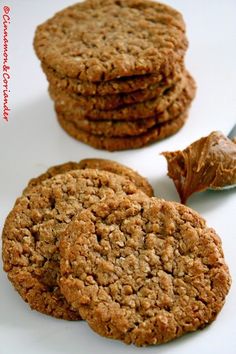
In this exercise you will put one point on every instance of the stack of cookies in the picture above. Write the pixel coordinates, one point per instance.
(88, 241)
(116, 71)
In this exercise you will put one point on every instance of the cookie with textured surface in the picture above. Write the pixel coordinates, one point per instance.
(33, 229)
(99, 164)
(143, 270)
(108, 102)
(127, 112)
(124, 128)
(119, 86)
(100, 40)
(155, 133)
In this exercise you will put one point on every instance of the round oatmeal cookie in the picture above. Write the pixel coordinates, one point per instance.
(155, 133)
(33, 229)
(99, 164)
(118, 168)
(126, 84)
(112, 128)
(122, 128)
(107, 102)
(99, 40)
(51, 172)
(144, 271)
(127, 112)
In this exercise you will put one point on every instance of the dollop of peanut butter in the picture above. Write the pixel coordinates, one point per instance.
(209, 162)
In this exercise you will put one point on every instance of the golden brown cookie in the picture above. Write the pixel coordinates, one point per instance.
(108, 102)
(33, 229)
(110, 128)
(144, 271)
(99, 164)
(112, 87)
(155, 133)
(122, 128)
(127, 112)
(51, 172)
(99, 40)
(118, 168)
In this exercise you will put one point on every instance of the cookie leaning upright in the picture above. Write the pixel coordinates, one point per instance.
(102, 55)
(33, 228)
(144, 271)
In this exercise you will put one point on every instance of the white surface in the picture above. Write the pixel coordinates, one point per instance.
(32, 141)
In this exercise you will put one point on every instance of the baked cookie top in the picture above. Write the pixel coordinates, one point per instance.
(99, 164)
(33, 229)
(100, 40)
(117, 168)
(143, 270)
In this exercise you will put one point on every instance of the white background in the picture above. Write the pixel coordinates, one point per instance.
(32, 141)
